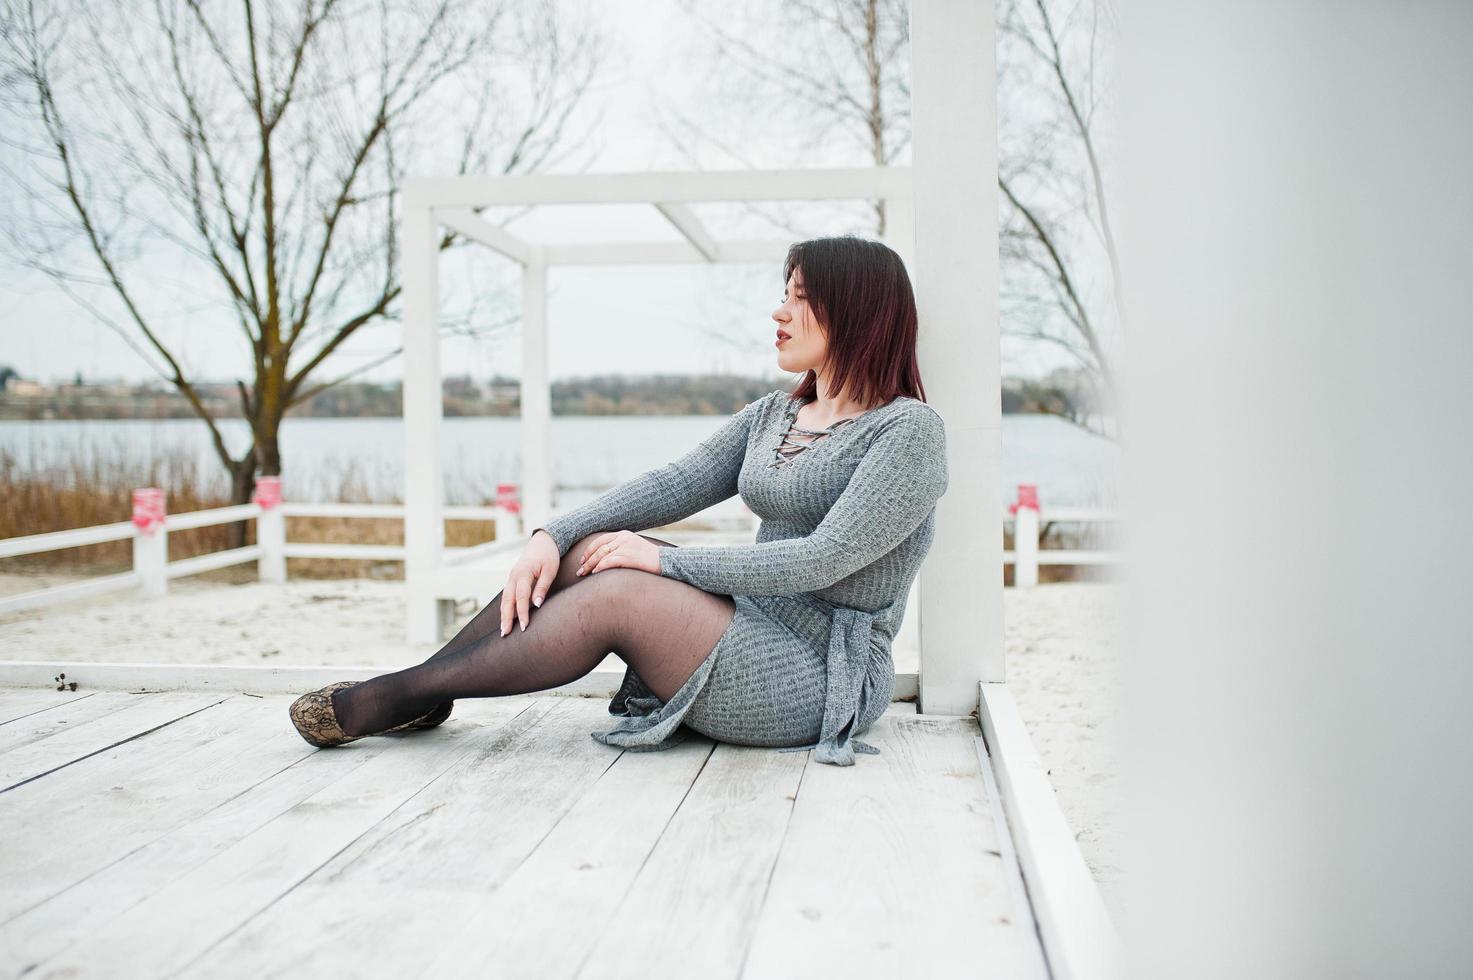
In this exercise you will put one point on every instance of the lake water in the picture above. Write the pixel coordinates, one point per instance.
(589, 453)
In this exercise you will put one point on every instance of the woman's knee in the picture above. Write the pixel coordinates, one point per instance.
(568, 571)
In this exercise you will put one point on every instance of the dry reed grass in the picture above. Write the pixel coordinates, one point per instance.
(84, 490)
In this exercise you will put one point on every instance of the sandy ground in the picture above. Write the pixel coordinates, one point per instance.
(1062, 669)
(1062, 643)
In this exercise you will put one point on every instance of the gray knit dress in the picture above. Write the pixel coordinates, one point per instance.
(845, 522)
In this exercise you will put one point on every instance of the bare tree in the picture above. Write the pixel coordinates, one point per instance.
(779, 81)
(243, 164)
(1057, 225)
(836, 74)
(837, 71)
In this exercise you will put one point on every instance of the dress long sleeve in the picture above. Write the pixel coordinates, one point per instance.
(701, 478)
(896, 484)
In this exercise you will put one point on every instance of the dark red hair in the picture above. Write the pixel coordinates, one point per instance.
(861, 296)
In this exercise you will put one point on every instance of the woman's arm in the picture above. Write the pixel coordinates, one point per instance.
(702, 477)
(902, 475)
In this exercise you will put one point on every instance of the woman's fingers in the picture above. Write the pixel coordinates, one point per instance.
(591, 553)
(545, 578)
(621, 550)
(611, 560)
(524, 599)
(508, 602)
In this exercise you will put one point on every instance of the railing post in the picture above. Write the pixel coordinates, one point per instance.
(424, 482)
(508, 509)
(151, 541)
(270, 530)
(1025, 536)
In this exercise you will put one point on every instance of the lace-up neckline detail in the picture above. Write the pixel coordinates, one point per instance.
(789, 448)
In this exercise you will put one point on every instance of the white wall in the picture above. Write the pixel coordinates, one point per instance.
(1300, 440)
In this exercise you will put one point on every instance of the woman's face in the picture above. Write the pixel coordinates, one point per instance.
(800, 342)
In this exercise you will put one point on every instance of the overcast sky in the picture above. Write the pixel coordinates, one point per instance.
(606, 320)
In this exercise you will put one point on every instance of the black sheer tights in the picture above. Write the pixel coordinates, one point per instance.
(661, 627)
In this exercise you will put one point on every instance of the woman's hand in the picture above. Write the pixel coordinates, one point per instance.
(529, 580)
(620, 549)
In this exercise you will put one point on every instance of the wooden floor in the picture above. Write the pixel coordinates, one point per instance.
(196, 834)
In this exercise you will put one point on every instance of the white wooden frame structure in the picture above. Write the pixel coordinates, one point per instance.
(152, 570)
(961, 362)
(942, 218)
(432, 203)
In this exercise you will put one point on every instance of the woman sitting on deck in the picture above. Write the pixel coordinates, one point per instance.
(782, 643)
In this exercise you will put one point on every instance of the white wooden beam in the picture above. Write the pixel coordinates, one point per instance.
(33, 544)
(536, 488)
(244, 678)
(1078, 936)
(686, 222)
(86, 588)
(664, 253)
(477, 228)
(837, 184)
(956, 280)
(424, 487)
(263, 679)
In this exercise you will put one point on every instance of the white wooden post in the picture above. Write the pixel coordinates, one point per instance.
(900, 235)
(151, 542)
(900, 229)
(1025, 536)
(270, 530)
(424, 488)
(954, 135)
(536, 396)
(508, 512)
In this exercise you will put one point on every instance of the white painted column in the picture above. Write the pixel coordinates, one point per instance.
(270, 530)
(1025, 546)
(536, 489)
(1296, 235)
(900, 229)
(151, 542)
(900, 235)
(954, 112)
(424, 487)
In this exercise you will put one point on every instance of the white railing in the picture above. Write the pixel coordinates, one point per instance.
(152, 571)
(1027, 514)
(149, 531)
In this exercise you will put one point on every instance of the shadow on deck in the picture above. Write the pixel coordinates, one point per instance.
(191, 831)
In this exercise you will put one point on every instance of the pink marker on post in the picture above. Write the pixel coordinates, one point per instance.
(1027, 497)
(148, 509)
(268, 492)
(507, 498)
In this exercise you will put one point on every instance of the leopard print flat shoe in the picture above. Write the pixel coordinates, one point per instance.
(313, 716)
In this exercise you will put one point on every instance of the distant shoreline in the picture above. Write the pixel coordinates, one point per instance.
(512, 414)
(22, 400)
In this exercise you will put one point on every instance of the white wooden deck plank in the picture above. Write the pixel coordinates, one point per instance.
(155, 755)
(59, 718)
(67, 747)
(693, 907)
(136, 790)
(451, 845)
(894, 867)
(1072, 919)
(223, 845)
(548, 915)
(74, 915)
(178, 923)
(17, 704)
